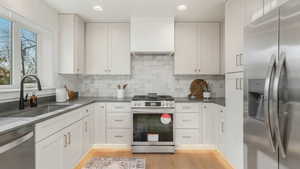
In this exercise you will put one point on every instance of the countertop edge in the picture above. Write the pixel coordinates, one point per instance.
(84, 101)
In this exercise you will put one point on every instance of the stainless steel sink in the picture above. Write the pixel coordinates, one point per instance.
(32, 112)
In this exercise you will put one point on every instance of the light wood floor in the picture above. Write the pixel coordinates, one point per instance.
(202, 159)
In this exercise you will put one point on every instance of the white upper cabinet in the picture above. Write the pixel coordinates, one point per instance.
(120, 62)
(255, 9)
(234, 32)
(152, 35)
(71, 44)
(96, 48)
(209, 48)
(108, 49)
(186, 48)
(197, 48)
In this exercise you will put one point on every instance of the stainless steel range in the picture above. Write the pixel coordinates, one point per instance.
(153, 117)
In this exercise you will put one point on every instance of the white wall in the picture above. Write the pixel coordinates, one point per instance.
(38, 15)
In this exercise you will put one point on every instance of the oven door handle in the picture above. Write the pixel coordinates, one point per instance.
(15, 143)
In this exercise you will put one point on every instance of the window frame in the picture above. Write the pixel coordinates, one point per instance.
(12, 80)
(16, 58)
(21, 26)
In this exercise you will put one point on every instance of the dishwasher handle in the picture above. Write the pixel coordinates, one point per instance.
(15, 143)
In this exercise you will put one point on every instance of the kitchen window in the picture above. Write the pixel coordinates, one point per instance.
(5, 52)
(29, 46)
(18, 53)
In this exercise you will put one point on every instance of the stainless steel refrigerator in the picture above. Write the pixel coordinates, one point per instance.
(272, 90)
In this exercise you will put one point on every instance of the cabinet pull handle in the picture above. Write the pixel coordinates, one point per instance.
(118, 120)
(186, 120)
(236, 60)
(119, 107)
(241, 57)
(86, 127)
(69, 136)
(237, 84)
(186, 137)
(65, 141)
(118, 136)
(241, 83)
(186, 107)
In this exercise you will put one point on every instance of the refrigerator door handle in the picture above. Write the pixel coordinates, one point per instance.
(279, 71)
(269, 131)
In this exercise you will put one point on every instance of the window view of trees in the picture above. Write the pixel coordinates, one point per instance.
(5, 51)
(28, 52)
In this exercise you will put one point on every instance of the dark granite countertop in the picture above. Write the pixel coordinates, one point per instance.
(219, 101)
(9, 123)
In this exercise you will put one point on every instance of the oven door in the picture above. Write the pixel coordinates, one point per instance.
(153, 127)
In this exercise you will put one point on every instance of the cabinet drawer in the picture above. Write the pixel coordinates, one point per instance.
(187, 120)
(118, 107)
(187, 107)
(187, 136)
(51, 126)
(119, 120)
(119, 136)
(86, 111)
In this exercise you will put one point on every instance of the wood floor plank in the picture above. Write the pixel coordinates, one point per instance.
(196, 159)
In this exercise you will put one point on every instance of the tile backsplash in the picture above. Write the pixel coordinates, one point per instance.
(149, 74)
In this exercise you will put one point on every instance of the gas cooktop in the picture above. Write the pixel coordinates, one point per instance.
(153, 100)
(153, 97)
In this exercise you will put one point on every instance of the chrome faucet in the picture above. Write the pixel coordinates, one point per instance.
(22, 100)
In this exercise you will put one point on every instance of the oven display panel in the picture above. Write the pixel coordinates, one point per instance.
(153, 104)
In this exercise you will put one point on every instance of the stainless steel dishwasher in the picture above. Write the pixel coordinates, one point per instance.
(17, 149)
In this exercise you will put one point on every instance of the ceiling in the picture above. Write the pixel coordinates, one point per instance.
(198, 10)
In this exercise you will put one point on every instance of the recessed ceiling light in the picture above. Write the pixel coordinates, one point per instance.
(181, 7)
(98, 8)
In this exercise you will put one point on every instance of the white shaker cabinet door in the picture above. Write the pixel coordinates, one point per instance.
(210, 121)
(49, 152)
(100, 123)
(234, 27)
(119, 49)
(209, 43)
(234, 119)
(186, 48)
(72, 153)
(97, 48)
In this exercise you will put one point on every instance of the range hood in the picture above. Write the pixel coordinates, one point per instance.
(152, 36)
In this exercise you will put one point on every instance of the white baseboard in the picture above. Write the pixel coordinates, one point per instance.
(112, 146)
(195, 147)
(178, 147)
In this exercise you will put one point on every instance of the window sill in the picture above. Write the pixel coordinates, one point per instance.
(12, 94)
(11, 90)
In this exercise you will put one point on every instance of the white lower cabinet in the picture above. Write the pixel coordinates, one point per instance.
(119, 123)
(87, 133)
(61, 150)
(187, 136)
(187, 120)
(119, 136)
(49, 152)
(199, 124)
(72, 150)
(211, 123)
(100, 123)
